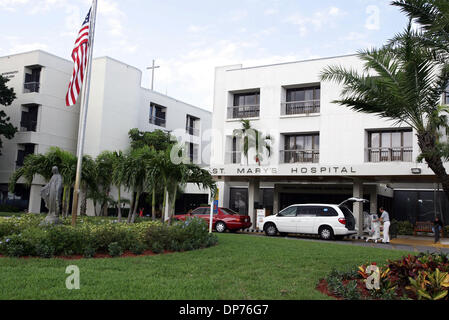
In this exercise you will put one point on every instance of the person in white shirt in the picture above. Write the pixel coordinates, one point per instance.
(385, 219)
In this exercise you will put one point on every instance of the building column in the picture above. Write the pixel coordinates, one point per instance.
(373, 201)
(358, 206)
(276, 203)
(34, 205)
(253, 200)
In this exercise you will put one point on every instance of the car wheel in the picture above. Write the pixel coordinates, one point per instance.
(326, 233)
(220, 227)
(271, 230)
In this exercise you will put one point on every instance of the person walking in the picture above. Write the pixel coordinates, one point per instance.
(385, 219)
(437, 227)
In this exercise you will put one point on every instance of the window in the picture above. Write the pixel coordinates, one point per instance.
(246, 105)
(326, 212)
(192, 126)
(32, 79)
(28, 120)
(289, 212)
(301, 148)
(302, 101)
(238, 201)
(388, 146)
(307, 211)
(158, 115)
(24, 151)
(199, 212)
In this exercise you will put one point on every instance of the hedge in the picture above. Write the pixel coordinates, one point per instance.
(24, 237)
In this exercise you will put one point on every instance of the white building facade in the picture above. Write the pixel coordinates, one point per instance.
(117, 104)
(320, 152)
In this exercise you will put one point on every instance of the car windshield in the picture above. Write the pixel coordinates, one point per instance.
(229, 211)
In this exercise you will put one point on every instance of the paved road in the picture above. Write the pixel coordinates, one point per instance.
(360, 243)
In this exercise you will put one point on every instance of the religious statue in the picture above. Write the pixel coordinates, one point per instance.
(51, 194)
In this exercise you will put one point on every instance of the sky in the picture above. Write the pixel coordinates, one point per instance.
(188, 39)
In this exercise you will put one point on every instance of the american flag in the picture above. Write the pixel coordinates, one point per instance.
(80, 57)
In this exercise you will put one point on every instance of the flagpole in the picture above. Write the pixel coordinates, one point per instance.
(83, 114)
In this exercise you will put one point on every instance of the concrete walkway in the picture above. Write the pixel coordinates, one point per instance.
(412, 244)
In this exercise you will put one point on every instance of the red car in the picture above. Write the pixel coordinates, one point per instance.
(225, 219)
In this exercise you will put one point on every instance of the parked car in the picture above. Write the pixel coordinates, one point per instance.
(225, 219)
(327, 221)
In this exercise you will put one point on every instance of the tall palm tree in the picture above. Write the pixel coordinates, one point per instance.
(136, 175)
(404, 83)
(118, 179)
(433, 17)
(105, 167)
(39, 164)
(253, 139)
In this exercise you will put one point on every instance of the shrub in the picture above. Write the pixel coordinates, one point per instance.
(115, 250)
(23, 236)
(403, 228)
(138, 248)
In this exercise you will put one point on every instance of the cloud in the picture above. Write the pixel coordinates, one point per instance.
(191, 75)
(317, 20)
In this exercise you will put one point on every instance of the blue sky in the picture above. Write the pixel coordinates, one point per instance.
(190, 38)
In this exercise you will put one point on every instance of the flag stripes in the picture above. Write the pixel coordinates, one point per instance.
(80, 59)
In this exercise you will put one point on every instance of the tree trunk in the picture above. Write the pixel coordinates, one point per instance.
(153, 204)
(83, 208)
(133, 219)
(119, 208)
(64, 204)
(427, 143)
(67, 199)
(164, 204)
(131, 208)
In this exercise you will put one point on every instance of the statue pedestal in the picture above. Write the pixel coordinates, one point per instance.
(50, 220)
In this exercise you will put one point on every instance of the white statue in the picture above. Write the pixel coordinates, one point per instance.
(51, 194)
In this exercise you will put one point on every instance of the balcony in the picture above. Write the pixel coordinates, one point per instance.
(28, 126)
(193, 131)
(244, 112)
(31, 87)
(300, 107)
(233, 157)
(299, 156)
(160, 122)
(390, 155)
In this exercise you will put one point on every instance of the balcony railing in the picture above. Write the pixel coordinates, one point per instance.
(300, 107)
(193, 131)
(28, 126)
(233, 157)
(161, 122)
(244, 112)
(31, 87)
(390, 154)
(299, 156)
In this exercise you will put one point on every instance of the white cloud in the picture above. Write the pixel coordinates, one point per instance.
(190, 76)
(317, 20)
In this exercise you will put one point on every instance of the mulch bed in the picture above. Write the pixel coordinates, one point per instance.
(323, 287)
(126, 254)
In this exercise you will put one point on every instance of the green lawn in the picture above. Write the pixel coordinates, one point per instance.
(240, 267)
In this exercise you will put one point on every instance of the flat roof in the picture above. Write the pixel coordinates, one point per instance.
(294, 62)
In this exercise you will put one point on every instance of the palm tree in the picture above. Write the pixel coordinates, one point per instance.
(433, 17)
(404, 83)
(105, 168)
(38, 164)
(118, 180)
(136, 175)
(252, 138)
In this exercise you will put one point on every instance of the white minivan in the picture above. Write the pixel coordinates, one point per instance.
(327, 221)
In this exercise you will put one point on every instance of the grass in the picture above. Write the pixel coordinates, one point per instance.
(241, 267)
